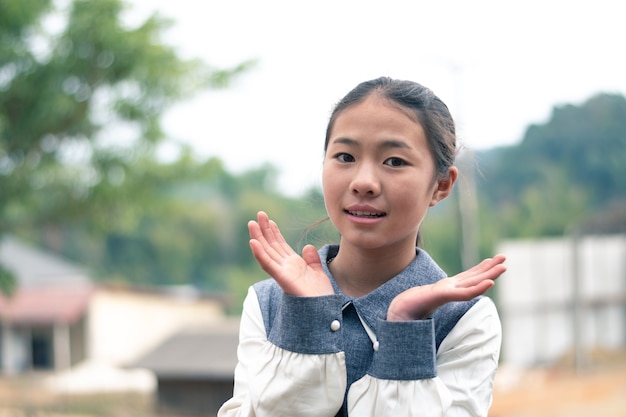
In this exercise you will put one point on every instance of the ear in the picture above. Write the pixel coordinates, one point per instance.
(444, 186)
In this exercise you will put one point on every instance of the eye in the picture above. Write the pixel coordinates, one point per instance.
(395, 162)
(344, 157)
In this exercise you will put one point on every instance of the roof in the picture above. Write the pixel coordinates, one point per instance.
(32, 266)
(199, 353)
(45, 305)
(49, 289)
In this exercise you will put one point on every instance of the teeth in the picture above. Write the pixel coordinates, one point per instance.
(365, 214)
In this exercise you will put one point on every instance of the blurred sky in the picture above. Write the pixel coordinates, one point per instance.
(499, 65)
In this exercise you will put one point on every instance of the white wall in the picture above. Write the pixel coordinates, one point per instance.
(124, 325)
(15, 349)
(536, 297)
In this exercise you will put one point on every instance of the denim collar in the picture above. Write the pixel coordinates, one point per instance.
(373, 307)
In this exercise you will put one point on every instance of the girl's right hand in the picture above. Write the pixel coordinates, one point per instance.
(301, 276)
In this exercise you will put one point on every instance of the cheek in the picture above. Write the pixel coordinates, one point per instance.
(331, 194)
(414, 203)
(325, 182)
(333, 190)
(328, 186)
(331, 179)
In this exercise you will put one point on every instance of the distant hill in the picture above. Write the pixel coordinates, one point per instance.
(563, 174)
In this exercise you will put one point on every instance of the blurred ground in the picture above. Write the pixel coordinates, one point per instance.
(26, 396)
(598, 390)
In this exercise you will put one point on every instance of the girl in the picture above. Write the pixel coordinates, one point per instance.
(372, 326)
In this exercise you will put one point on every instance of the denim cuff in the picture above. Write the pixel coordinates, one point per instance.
(406, 350)
(310, 325)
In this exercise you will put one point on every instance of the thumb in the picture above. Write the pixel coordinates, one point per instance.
(311, 257)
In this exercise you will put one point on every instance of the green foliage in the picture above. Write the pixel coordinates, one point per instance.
(59, 153)
(100, 197)
(80, 110)
(569, 173)
(190, 228)
(586, 144)
(561, 173)
(441, 234)
(7, 282)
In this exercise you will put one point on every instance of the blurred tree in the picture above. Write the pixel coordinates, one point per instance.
(81, 97)
(561, 173)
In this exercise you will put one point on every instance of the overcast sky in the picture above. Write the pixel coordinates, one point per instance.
(499, 65)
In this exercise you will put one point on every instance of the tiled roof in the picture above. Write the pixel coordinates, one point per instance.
(46, 304)
(205, 353)
(49, 289)
(32, 266)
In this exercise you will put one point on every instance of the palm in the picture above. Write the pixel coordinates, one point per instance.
(418, 302)
(297, 275)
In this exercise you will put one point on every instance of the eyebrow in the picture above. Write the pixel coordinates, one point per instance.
(389, 143)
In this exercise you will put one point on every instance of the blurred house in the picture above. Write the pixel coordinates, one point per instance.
(44, 322)
(194, 369)
(60, 320)
(562, 297)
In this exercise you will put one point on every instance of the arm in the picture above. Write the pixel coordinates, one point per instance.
(457, 383)
(276, 375)
(277, 381)
(467, 360)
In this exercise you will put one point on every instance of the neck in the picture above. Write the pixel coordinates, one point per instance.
(359, 272)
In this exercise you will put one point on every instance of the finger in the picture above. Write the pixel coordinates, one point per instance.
(487, 264)
(258, 228)
(321, 284)
(273, 236)
(255, 230)
(312, 257)
(281, 245)
(470, 280)
(264, 226)
(476, 290)
(489, 268)
(465, 293)
(263, 259)
(257, 234)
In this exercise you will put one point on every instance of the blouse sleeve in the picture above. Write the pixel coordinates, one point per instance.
(297, 370)
(461, 385)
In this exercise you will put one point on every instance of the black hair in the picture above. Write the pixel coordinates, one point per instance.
(428, 109)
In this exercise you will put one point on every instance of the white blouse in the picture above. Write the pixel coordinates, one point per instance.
(270, 381)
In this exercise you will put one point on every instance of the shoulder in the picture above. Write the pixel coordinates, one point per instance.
(428, 270)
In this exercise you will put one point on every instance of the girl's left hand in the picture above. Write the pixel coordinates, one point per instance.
(419, 302)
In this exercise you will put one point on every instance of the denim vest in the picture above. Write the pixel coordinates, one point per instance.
(360, 317)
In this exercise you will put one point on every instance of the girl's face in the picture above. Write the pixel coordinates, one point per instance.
(379, 176)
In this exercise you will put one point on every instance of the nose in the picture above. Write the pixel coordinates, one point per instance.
(366, 181)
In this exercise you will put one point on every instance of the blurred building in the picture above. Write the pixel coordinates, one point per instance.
(43, 325)
(60, 320)
(562, 297)
(194, 369)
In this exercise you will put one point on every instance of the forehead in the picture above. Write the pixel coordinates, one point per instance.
(376, 112)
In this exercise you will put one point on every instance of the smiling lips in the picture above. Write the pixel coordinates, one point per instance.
(365, 214)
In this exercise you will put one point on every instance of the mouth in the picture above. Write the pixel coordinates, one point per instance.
(365, 214)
